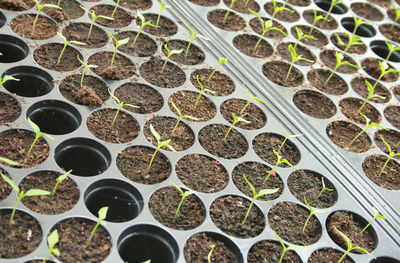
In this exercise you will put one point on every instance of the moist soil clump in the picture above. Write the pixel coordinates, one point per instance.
(390, 32)
(80, 31)
(10, 109)
(350, 106)
(342, 133)
(122, 68)
(276, 71)
(257, 27)
(271, 251)
(70, 9)
(234, 22)
(335, 86)
(47, 56)
(371, 66)
(314, 104)
(328, 57)
(321, 39)
(392, 114)
(194, 55)
(284, 15)
(144, 45)
(121, 17)
(391, 137)
(172, 76)
(246, 43)
(219, 83)
(87, 96)
(283, 51)
(356, 49)
(360, 87)
(328, 255)
(243, 6)
(44, 28)
(166, 27)
(252, 113)
(16, 5)
(330, 24)
(389, 179)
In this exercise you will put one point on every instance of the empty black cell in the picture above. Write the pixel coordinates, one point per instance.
(12, 49)
(363, 30)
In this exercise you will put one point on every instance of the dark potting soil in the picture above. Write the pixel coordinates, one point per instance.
(300, 2)
(234, 22)
(246, 43)
(321, 39)
(185, 101)
(121, 17)
(243, 6)
(383, 3)
(335, 86)
(5, 188)
(390, 31)
(367, 11)
(136, 5)
(47, 55)
(228, 213)
(73, 236)
(330, 24)
(182, 139)
(389, 179)
(166, 27)
(71, 8)
(328, 255)
(20, 237)
(392, 114)
(271, 251)
(360, 87)
(371, 66)
(133, 163)
(328, 57)
(351, 225)
(308, 184)
(205, 2)
(125, 128)
(396, 92)
(257, 27)
(80, 31)
(392, 137)
(221, 84)
(194, 55)
(93, 93)
(314, 104)
(284, 15)
(211, 137)
(122, 68)
(16, 5)
(342, 133)
(145, 97)
(202, 173)
(163, 205)
(356, 49)
(264, 145)
(252, 113)
(58, 15)
(350, 106)
(198, 246)
(44, 28)
(287, 219)
(144, 45)
(283, 50)
(10, 109)
(172, 76)
(256, 173)
(15, 144)
(65, 197)
(276, 71)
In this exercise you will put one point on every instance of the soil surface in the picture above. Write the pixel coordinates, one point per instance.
(284, 15)
(163, 205)
(70, 10)
(392, 114)
(271, 251)
(220, 84)
(18, 5)
(276, 71)
(202, 173)
(242, 6)
(246, 43)
(80, 31)
(350, 106)
(252, 113)
(367, 11)
(228, 212)
(194, 55)
(121, 17)
(283, 50)
(5, 188)
(356, 49)
(390, 31)
(234, 22)
(371, 66)
(328, 255)
(205, 2)
(342, 133)
(335, 86)
(172, 76)
(330, 24)
(383, 3)
(144, 45)
(136, 5)
(396, 92)
(360, 87)
(10, 109)
(122, 68)
(328, 57)
(44, 28)
(47, 55)
(300, 2)
(389, 179)
(166, 27)
(321, 39)
(257, 27)
(314, 104)
(391, 137)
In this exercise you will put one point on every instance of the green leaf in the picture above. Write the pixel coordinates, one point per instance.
(178, 188)
(52, 239)
(7, 78)
(103, 212)
(10, 182)
(268, 191)
(176, 108)
(250, 185)
(387, 144)
(63, 176)
(348, 241)
(223, 60)
(63, 37)
(56, 252)
(123, 41)
(292, 51)
(377, 214)
(171, 148)
(106, 17)
(174, 52)
(51, 6)
(47, 136)
(36, 192)
(112, 96)
(35, 128)
(77, 43)
(155, 133)
(8, 161)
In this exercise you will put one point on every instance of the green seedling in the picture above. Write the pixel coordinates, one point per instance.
(339, 62)
(252, 98)
(38, 135)
(117, 45)
(236, 119)
(60, 179)
(279, 161)
(144, 23)
(162, 7)
(184, 195)
(392, 49)
(316, 19)
(301, 36)
(52, 240)
(169, 54)
(371, 95)
(376, 216)
(256, 195)
(102, 213)
(357, 23)
(324, 188)
(295, 57)
(221, 61)
(266, 26)
(59, 3)
(39, 7)
(397, 15)
(115, 9)
(121, 104)
(147, 261)
(210, 253)
(312, 212)
(21, 194)
(160, 144)
(391, 154)
(385, 69)
(228, 11)
(94, 18)
(8, 161)
(7, 78)
(180, 117)
(85, 67)
(350, 245)
(286, 249)
(193, 36)
(66, 43)
(278, 9)
(287, 137)
(202, 90)
(367, 126)
(333, 3)
(353, 41)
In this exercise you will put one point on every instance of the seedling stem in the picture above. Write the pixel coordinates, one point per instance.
(115, 9)
(38, 135)
(184, 195)
(252, 98)
(236, 119)
(295, 58)
(162, 7)
(193, 36)
(52, 240)
(287, 137)
(323, 189)
(278, 9)
(94, 18)
(367, 126)
(169, 54)
(85, 67)
(7, 78)
(143, 24)
(121, 104)
(210, 253)
(278, 162)
(391, 154)
(180, 117)
(312, 211)
(160, 144)
(376, 215)
(66, 43)
(117, 45)
(102, 215)
(221, 61)
(39, 7)
(371, 95)
(339, 57)
(202, 90)
(229, 10)
(286, 249)
(60, 179)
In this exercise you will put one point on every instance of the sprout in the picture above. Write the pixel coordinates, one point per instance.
(209, 253)
(385, 69)
(147, 261)
(286, 249)
(312, 211)
(39, 7)
(221, 61)
(102, 215)
(117, 45)
(278, 9)
(144, 23)
(59, 2)
(392, 48)
(376, 215)
(250, 100)
(301, 36)
(94, 18)
(287, 137)
(316, 19)
(21, 194)
(202, 90)
(160, 144)
(170, 53)
(256, 195)
(353, 41)
(52, 240)
(357, 23)
(397, 14)
(85, 67)
(115, 9)
(391, 154)
(339, 56)
(121, 104)
(333, 3)
(227, 12)
(8, 161)
(184, 195)
(350, 246)
(162, 7)
(38, 135)
(181, 116)
(367, 126)
(7, 78)
(66, 43)
(193, 36)
(371, 95)
(235, 120)
(323, 189)
(278, 162)
(295, 58)
(60, 179)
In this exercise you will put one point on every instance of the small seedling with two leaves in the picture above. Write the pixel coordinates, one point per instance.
(39, 7)
(391, 49)
(391, 155)
(115, 9)
(184, 195)
(312, 212)
(357, 23)
(279, 161)
(333, 3)
(340, 62)
(354, 40)
(52, 240)
(7, 78)
(85, 67)
(236, 119)
(60, 179)
(160, 144)
(316, 19)
(285, 249)
(371, 95)
(367, 126)
(193, 36)
(118, 43)
(324, 188)
(210, 253)
(121, 104)
(143, 24)
(102, 213)
(38, 135)
(66, 43)
(169, 54)
(287, 137)
(278, 9)
(301, 36)
(256, 195)
(252, 98)
(94, 17)
(202, 90)
(180, 117)
(376, 216)
(8, 161)
(22, 194)
(228, 11)
(295, 57)
(396, 15)
(221, 61)
(162, 7)
(385, 69)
